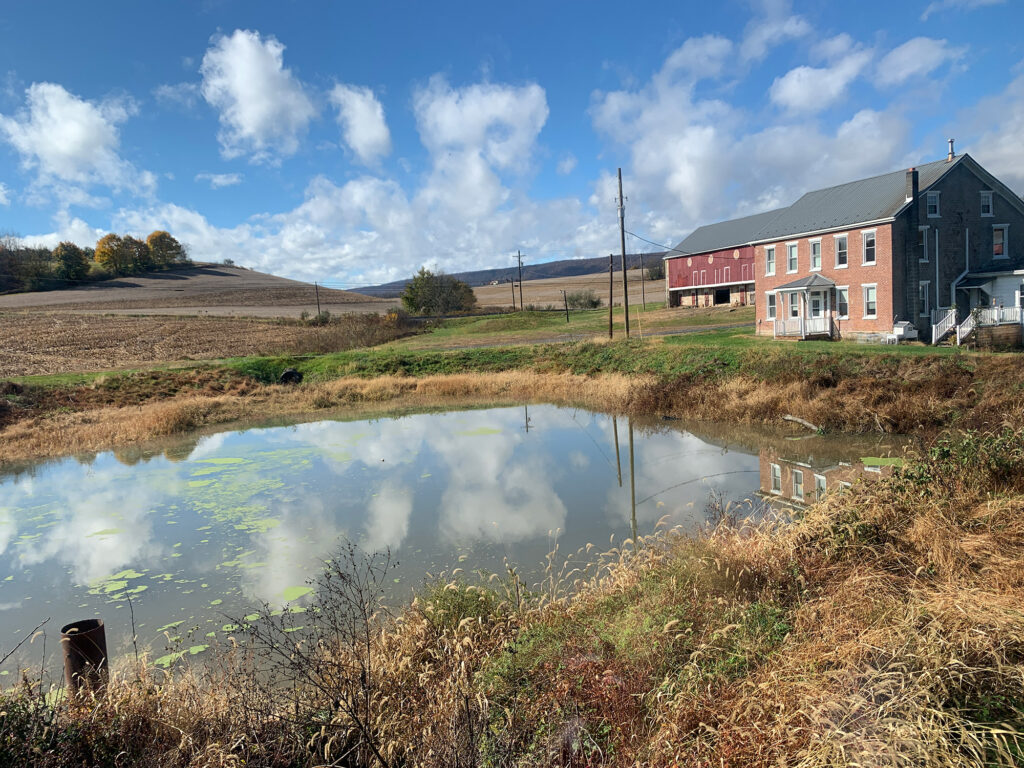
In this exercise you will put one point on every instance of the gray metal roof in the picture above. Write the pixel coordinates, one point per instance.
(814, 281)
(724, 234)
(974, 281)
(855, 202)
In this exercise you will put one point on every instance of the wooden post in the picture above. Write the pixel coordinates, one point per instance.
(566, 300)
(622, 236)
(611, 291)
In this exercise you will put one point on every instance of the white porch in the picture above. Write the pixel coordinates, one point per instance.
(803, 309)
(982, 305)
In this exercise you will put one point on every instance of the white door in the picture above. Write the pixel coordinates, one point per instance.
(817, 305)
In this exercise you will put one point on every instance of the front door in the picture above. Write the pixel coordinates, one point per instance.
(817, 305)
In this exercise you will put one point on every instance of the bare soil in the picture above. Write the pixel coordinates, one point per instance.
(210, 289)
(541, 293)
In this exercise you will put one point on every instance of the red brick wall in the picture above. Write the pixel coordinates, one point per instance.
(684, 271)
(855, 275)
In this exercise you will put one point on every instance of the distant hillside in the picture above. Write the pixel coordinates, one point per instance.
(545, 271)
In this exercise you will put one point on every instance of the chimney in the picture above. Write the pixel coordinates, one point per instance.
(912, 184)
(952, 154)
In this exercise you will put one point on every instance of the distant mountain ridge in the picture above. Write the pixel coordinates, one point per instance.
(545, 271)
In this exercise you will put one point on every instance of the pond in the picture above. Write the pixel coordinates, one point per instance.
(210, 527)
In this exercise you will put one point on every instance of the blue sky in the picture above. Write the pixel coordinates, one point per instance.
(356, 142)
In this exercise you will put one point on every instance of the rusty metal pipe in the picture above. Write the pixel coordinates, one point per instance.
(85, 654)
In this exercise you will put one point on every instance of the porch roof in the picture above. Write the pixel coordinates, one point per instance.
(974, 281)
(805, 284)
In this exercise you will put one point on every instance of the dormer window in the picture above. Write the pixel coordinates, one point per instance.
(986, 203)
(933, 205)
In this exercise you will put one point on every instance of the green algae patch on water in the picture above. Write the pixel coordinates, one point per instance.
(881, 461)
(290, 594)
(105, 532)
(478, 432)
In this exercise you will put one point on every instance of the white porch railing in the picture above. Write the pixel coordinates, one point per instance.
(803, 326)
(945, 324)
(964, 329)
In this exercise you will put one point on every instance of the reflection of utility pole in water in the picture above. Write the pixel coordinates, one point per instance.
(526, 418)
(618, 462)
(632, 485)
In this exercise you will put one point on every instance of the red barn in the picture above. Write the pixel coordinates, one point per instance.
(715, 264)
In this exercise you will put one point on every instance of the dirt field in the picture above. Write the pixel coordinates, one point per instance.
(61, 342)
(543, 292)
(210, 289)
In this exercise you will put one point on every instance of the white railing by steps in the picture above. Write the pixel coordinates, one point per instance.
(789, 326)
(803, 326)
(945, 325)
(964, 329)
(815, 326)
(999, 315)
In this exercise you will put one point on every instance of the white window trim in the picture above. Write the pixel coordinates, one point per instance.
(824, 485)
(821, 256)
(864, 247)
(847, 289)
(991, 205)
(844, 485)
(938, 206)
(772, 249)
(771, 479)
(924, 250)
(771, 309)
(927, 284)
(836, 249)
(789, 306)
(864, 300)
(788, 270)
(1006, 241)
(800, 472)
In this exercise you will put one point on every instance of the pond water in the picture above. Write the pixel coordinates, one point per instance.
(213, 526)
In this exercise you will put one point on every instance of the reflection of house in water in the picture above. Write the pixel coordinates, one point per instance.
(806, 479)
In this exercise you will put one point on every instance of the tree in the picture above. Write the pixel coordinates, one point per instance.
(138, 253)
(656, 271)
(164, 249)
(72, 263)
(439, 294)
(112, 254)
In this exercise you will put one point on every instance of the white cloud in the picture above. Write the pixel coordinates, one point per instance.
(264, 109)
(5, 194)
(915, 59)
(963, 5)
(71, 143)
(500, 122)
(567, 164)
(998, 124)
(219, 180)
(775, 26)
(182, 95)
(812, 89)
(361, 118)
(67, 228)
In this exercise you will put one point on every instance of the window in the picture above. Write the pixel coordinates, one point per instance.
(798, 484)
(843, 302)
(794, 305)
(771, 306)
(769, 260)
(726, 274)
(845, 486)
(703, 277)
(870, 302)
(841, 254)
(868, 239)
(819, 487)
(791, 259)
(745, 272)
(776, 478)
(924, 298)
(922, 243)
(933, 205)
(986, 203)
(999, 238)
(815, 254)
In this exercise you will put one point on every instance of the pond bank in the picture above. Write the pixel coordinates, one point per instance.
(842, 389)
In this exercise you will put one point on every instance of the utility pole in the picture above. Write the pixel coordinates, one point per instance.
(622, 237)
(611, 290)
(521, 305)
(566, 300)
(317, 289)
(643, 293)
(513, 283)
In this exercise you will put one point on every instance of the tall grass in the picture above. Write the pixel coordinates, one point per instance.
(884, 627)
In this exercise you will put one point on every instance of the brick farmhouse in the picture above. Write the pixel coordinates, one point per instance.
(915, 250)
